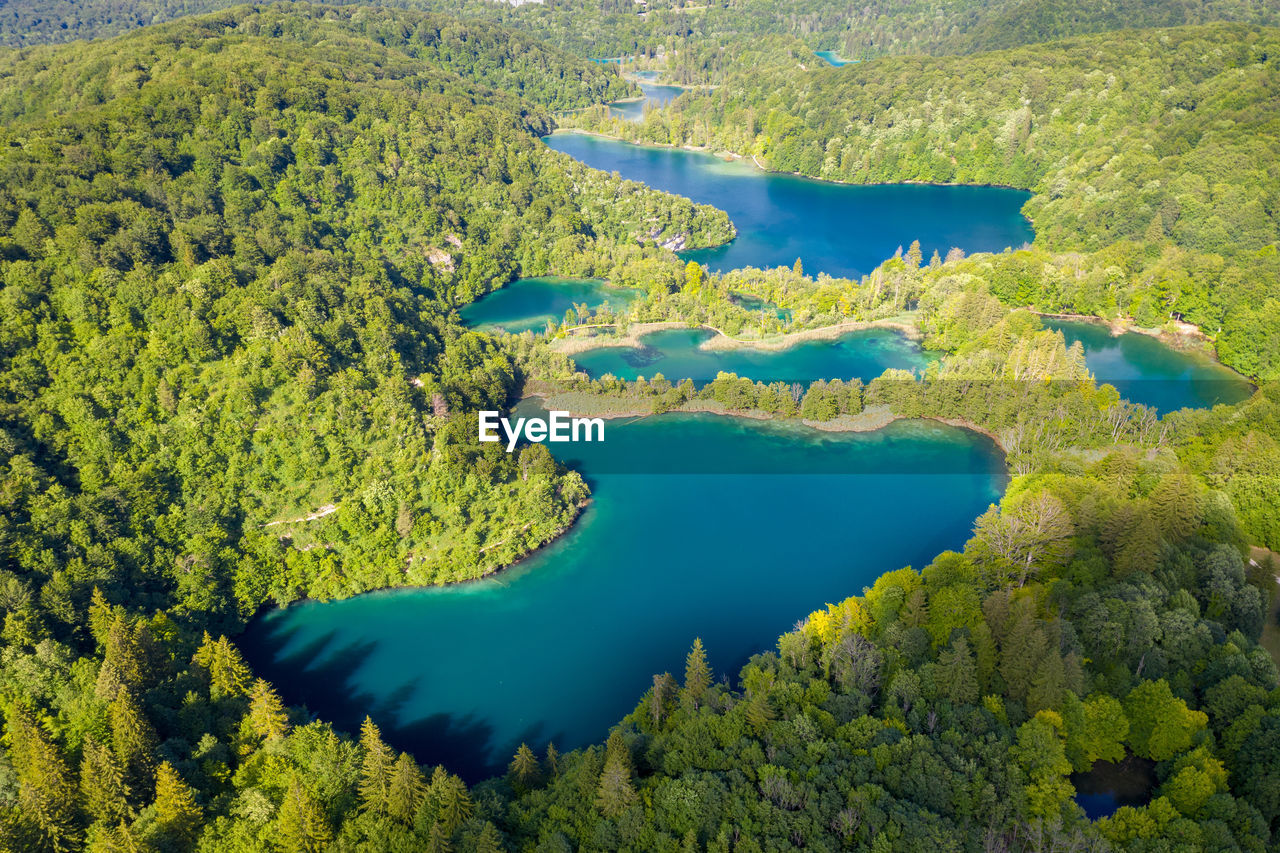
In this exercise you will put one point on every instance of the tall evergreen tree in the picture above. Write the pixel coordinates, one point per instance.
(301, 823)
(103, 785)
(697, 677)
(406, 790)
(957, 676)
(489, 839)
(178, 815)
(552, 761)
(133, 740)
(453, 803)
(375, 769)
(227, 671)
(615, 793)
(46, 793)
(524, 769)
(660, 697)
(267, 715)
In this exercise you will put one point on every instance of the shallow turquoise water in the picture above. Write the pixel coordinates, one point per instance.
(527, 304)
(838, 229)
(722, 528)
(833, 58)
(675, 354)
(1148, 371)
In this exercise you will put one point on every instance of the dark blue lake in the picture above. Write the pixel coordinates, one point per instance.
(839, 229)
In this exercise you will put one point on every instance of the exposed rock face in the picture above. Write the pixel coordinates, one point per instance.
(440, 258)
(674, 242)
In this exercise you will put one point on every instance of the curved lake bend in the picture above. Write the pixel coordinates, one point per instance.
(1146, 370)
(655, 96)
(562, 646)
(527, 304)
(675, 353)
(839, 229)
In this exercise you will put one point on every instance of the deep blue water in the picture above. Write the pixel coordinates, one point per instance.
(840, 229)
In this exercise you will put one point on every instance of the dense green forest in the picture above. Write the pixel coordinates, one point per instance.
(233, 375)
(1153, 158)
(706, 38)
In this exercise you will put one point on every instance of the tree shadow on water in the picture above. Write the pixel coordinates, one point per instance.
(322, 675)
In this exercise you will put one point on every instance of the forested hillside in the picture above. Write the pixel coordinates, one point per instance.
(1155, 152)
(232, 375)
(232, 248)
(711, 34)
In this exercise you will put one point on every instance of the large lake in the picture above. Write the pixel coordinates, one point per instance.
(1148, 371)
(722, 528)
(839, 229)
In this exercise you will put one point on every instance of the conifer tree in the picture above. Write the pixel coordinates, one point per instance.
(133, 739)
(267, 715)
(489, 840)
(1175, 506)
(524, 768)
(103, 785)
(663, 689)
(615, 793)
(301, 823)
(124, 653)
(46, 793)
(438, 839)
(552, 761)
(375, 769)
(99, 616)
(957, 675)
(697, 677)
(228, 673)
(453, 802)
(406, 790)
(121, 838)
(178, 815)
(759, 712)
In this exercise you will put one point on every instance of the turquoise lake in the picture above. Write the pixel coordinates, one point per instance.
(840, 229)
(675, 353)
(1148, 371)
(833, 58)
(528, 304)
(700, 526)
(655, 96)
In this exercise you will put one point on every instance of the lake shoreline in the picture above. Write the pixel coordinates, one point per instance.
(722, 342)
(724, 154)
(1190, 337)
(869, 420)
